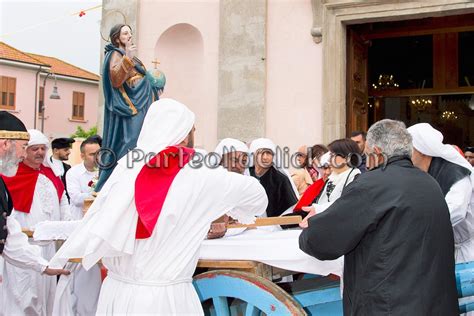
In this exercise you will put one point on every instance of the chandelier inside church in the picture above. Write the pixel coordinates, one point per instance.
(420, 103)
(449, 116)
(385, 82)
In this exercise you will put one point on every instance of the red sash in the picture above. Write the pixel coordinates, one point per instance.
(22, 185)
(152, 185)
(309, 195)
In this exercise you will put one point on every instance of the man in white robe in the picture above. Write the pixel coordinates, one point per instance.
(233, 155)
(38, 195)
(16, 251)
(455, 177)
(77, 294)
(151, 247)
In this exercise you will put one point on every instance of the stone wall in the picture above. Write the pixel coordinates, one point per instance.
(242, 69)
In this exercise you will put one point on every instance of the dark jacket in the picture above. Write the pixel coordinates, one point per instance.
(63, 179)
(6, 207)
(279, 191)
(392, 224)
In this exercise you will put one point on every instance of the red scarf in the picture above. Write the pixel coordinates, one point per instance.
(152, 185)
(309, 195)
(22, 185)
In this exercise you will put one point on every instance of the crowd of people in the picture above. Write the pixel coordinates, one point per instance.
(36, 192)
(396, 202)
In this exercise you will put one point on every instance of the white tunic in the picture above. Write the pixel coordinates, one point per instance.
(27, 291)
(460, 203)
(154, 275)
(78, 293)
(20, 253)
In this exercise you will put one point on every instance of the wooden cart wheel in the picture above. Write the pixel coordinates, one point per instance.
(254, 294)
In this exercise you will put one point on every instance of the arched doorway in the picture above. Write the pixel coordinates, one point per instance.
(180, 52)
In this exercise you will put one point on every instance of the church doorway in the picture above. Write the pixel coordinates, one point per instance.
(413, 71)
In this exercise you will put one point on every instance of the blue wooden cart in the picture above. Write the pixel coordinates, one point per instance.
(231, 292)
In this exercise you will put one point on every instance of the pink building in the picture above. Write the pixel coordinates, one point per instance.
(27, 81)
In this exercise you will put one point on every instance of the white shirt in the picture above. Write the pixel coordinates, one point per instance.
(340, 181)
(77, 182)
(57, 166)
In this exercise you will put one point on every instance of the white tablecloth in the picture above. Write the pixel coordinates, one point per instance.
(276, 248)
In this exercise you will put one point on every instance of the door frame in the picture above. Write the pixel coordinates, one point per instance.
(333, 16)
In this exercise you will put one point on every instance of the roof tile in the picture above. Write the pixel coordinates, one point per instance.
(58, 66)
(11, 53)
(61, 67)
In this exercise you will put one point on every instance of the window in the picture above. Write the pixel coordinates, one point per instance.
(41, 102)
(466, 64)
(78, 105)
(8, 92)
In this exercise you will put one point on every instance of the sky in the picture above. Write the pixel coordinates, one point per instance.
(50, 28)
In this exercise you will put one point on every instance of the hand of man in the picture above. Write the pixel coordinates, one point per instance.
(218, 228)
(130, 49)
(311, 212)
(51, 272)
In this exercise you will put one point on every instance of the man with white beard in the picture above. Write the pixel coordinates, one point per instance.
(149, 219)
(38, 195)
(14, 246)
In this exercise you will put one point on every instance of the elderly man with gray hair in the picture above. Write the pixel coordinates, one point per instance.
(392, 225)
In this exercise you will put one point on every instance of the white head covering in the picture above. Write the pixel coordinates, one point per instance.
(262, 143)
(325, 159)
(265, 143)
(167, 123)
(228, 145)
(37, 138)
(429, 141)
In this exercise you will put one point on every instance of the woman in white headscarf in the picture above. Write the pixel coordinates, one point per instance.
(456, 179)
